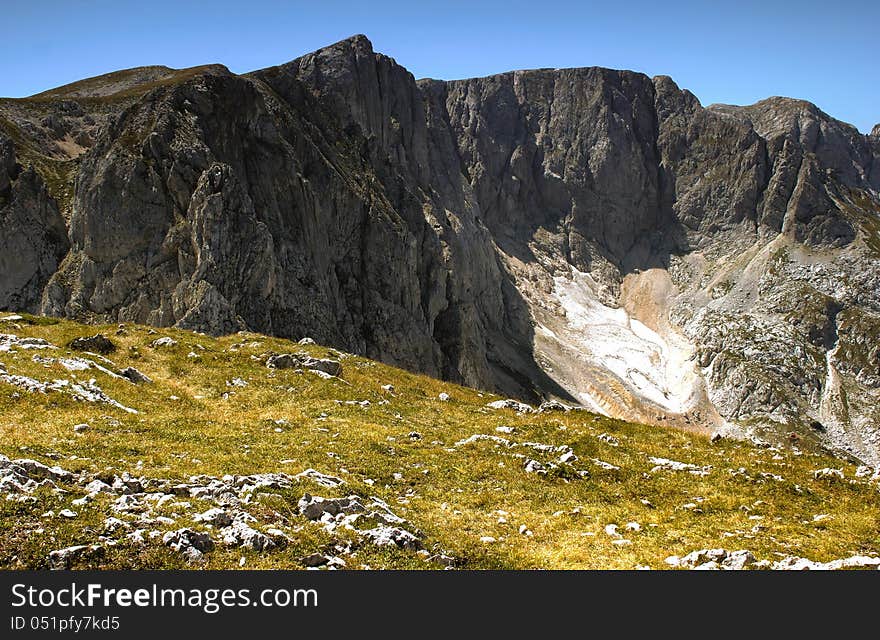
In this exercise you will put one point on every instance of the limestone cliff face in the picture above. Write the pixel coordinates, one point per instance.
(590, 234)
(299, 201)
(33, 239)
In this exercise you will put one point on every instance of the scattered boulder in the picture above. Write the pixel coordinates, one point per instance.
(305, 341)
(664, 464)
(193, 556)
(303, 361)
(61, 559)
(164, 341)
(509, 403)
(714, 560)
(215, 517)
(98, 486)
(9, 343)
(347, 512)
(320, 478)
(533, 466)
(392, 536)
(314, 507)
(79, 428)
(443, 397)
(795, 563)
(83, 391)
(133, 375)
(315, 560)
(607, 466)
(34, 469)
(97, 343)
(738, 560)
(127, 484)
(611, 531)
(828, 474)
(240, 534)
(442, 560)
(183, 538)
(552, 405)
(696, 558)
(127, 504)
(112, 525)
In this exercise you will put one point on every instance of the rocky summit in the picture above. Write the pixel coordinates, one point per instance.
(588, 235)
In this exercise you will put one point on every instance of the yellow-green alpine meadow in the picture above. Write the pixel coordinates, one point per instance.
(174, 449)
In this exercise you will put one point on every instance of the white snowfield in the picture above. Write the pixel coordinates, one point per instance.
(650, 366)
(635, 365)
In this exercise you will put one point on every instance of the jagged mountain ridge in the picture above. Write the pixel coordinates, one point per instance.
(591, 234)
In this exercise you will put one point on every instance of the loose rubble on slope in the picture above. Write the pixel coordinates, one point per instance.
(86, 391)
(556, 456)
(662, 464)
(721, 559)
(304, 361)
(136, 504)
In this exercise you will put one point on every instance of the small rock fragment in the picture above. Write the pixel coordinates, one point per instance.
(509, 403)
(135, 376)
(315, 560)
(216, 517)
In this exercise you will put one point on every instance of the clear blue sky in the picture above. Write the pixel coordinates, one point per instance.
(737, 52)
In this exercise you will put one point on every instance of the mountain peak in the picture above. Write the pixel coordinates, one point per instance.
(358, 43)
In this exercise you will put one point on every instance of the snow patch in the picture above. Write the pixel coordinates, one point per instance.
(653, 367)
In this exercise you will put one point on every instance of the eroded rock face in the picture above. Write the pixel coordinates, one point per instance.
(33, 239)
(588, 234)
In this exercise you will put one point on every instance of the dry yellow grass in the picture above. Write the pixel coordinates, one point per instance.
(454, 495)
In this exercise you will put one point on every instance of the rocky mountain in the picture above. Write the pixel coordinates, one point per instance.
(587, 234)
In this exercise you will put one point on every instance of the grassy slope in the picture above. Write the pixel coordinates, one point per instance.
(451, 494)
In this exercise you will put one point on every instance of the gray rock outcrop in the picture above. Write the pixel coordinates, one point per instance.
(34, 237)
